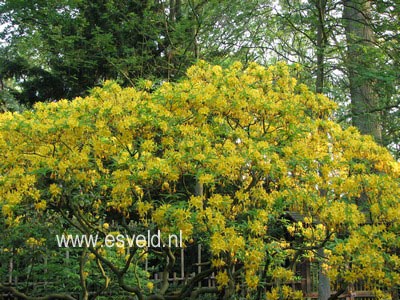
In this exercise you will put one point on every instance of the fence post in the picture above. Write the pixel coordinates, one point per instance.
(182, 264)
(11, 268)
(199, 261)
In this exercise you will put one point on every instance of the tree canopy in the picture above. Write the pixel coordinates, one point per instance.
(224, 155)
(60, 49)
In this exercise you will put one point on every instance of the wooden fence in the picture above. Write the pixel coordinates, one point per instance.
(189, 262)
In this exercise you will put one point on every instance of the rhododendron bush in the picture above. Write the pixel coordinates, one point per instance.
(223, 156)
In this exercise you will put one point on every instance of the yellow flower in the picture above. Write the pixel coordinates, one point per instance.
(41, 205)
(217, 244)
(54, 190)
(32, 242)
(206, 178)
(196, 201)
(7, 210)
(120, 251)
(150, 286)
(218, 263)
(222, 279)
(251, 280)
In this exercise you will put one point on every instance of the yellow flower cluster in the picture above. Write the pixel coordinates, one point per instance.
(33, 242)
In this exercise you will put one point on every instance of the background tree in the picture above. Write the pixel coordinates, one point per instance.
(60, 49)
(313, 33)
(360, 42)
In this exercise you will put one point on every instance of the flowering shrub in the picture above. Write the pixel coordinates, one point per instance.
(222, 156)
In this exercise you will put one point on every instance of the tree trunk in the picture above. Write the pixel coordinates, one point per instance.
(321, 44)
(360, 38)
(324, 284)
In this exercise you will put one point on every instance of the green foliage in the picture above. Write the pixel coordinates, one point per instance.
(60, 49)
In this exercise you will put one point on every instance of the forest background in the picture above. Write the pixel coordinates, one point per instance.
(52, 50)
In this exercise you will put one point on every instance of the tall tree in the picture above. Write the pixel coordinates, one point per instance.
(70, 46)
(360, 43)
